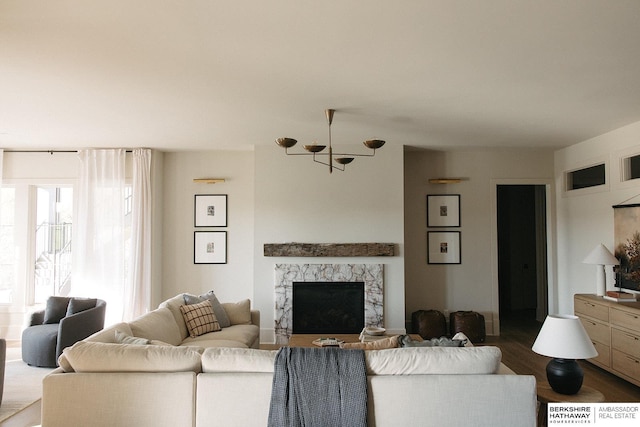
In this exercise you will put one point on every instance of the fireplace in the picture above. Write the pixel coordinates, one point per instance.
(288, 274)
(328, 307)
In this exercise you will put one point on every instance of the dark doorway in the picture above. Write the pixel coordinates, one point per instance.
(522, 249)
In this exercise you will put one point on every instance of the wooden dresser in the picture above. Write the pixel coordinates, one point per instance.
(614, 329)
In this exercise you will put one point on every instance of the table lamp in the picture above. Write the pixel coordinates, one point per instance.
(600, 256)
(564, 339)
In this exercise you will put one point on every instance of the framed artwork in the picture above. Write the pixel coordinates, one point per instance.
(210, 210)
(443, 210)
(443, 247)
(209, 247)
(626, 226)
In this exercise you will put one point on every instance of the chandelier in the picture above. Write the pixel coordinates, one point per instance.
(333, 160)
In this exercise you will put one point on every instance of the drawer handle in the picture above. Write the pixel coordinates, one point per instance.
(632, 359)
(631, 315)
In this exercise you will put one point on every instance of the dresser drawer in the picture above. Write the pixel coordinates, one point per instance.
(626, 364)
(625, 342)
(604, 354)
(591, 309)
(597, 331)
(625, 319)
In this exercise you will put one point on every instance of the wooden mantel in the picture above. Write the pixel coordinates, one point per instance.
(329, 249)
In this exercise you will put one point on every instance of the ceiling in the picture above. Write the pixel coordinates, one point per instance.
(208, 74)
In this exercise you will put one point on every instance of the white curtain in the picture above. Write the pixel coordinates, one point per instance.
(138, 296)
(99, 230)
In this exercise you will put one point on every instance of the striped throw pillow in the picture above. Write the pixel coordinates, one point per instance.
(200, 318)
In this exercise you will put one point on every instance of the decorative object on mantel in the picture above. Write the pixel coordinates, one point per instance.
(329, 249)
(208, 180)
(565, 339)
(443, 210)
(316, 149)
(600, 256)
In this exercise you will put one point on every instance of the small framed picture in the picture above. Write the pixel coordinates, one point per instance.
(443, 247)
(210, 210)
(443, 210)
(209, 247)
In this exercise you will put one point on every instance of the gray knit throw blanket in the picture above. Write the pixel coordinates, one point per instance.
(319, 387)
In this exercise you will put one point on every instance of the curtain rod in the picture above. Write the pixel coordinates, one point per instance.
(47, 151)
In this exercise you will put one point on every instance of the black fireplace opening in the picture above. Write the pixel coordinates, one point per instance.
(328, 307)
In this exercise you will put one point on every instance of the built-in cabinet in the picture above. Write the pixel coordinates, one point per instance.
(614, 329)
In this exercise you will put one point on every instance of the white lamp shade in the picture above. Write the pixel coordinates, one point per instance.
(564, 337)
(600, 255)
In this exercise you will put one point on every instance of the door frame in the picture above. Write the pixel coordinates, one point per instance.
(552, 290)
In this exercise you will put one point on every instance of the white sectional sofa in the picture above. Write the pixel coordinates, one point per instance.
(107, 384)
(166, 325)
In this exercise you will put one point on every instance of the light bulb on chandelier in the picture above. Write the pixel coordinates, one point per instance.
(315, 149)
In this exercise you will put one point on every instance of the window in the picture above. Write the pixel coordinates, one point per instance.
(53, 229)
(631, 168)
(591, 176)
(7, 248)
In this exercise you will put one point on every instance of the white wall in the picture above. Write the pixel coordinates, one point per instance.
(232, 281)
(297, 200)
(585, 217)
(472, 285)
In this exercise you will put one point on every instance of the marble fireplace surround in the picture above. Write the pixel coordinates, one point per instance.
(286, 274)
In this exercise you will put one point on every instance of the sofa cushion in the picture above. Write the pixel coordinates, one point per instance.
(238, 360)
(105, 357)
(174, 304)
(108, 333)
(199, 318)
(158, 324)
(218, 310)
(239, 313)
(434, 360)
(76, 305)
(124, 338)
(56, 309)
(245, 334)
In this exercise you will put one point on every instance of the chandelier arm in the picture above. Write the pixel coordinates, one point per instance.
(356, 155)
(331, 167)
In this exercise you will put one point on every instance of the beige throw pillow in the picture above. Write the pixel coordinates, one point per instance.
(239, 313)
(200, 318)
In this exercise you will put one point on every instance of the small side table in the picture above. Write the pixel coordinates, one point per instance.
(546, 395)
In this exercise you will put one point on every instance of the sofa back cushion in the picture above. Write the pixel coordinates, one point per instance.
(434, 360)
(159, 325)
(173, 304)
(223, 359)
(239, 313)
(108, 334)
(106, 357)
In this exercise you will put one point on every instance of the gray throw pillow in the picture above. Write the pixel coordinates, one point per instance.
(56, 309)
(406, 341)
(76, 305)
(218, 310)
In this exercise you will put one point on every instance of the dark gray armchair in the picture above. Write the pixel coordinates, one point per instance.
(61, 324)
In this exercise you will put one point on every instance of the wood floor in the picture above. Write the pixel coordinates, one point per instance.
(517, 337)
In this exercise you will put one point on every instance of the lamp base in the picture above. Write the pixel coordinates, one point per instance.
(565, 376)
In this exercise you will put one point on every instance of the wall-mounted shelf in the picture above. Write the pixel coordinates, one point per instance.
(329, 249)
